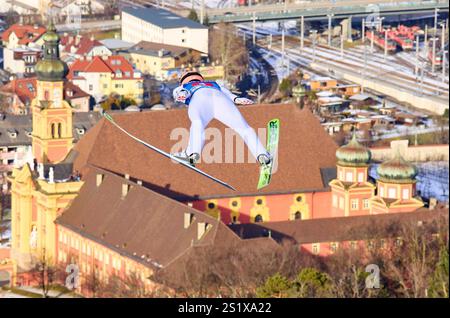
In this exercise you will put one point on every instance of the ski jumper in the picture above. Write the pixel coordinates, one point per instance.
(208, 100)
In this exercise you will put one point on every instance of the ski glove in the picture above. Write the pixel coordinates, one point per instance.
(243, 101)
(181, 94)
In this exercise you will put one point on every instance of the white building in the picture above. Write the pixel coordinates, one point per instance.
(162, 26)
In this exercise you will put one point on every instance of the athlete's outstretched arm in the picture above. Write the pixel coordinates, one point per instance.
(236, 99)
(227, 92)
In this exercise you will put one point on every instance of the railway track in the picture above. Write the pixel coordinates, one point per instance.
(396, 75)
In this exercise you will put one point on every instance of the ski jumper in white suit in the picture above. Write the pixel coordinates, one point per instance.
(208, 100)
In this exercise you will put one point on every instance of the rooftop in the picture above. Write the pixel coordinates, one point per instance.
(142, 224)
(22, 124)
(304, 149)
(163, 18)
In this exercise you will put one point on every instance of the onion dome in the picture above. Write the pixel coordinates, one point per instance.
(51, 68)
(353, 154)
(397, 170)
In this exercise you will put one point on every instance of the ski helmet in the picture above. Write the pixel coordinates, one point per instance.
(188, 76)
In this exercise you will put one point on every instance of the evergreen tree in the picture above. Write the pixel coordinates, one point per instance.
(276, 286)
(193, 15)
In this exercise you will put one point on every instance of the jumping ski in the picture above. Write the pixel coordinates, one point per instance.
(165, 154)
(265, 172)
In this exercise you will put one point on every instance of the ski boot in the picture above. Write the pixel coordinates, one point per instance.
(264, 159)
(191, 159)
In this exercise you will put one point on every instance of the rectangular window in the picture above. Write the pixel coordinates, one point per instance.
(361, 177)
(354, 204)
(392, 193)
(315, 249)
(349, 177)
(405, 194)
(382, 192)
(365, 204)
(333, 247)
(91, 87)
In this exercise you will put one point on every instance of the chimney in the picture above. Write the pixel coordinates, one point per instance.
(35, 26)
(201, 229)
(99, 179)
(127, 176)
(433, 203)
(125, 189)
(188, 217)
(161, 53)
(139, 182)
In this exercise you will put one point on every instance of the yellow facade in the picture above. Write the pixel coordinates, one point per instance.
(52, 123)
(152, 64)
(37, 202)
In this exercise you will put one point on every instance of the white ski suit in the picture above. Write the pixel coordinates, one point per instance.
(208, 100)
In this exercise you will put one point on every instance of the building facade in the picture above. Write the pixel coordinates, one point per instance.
(43, 187)
(101, 77)
(162, 26)
(22, 48)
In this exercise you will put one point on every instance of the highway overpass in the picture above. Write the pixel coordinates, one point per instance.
(320, 10)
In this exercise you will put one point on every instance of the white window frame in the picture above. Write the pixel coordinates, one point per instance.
(405, 194)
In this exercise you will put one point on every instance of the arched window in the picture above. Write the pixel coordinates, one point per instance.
(53, 129)
(234, 219)
(59, 130)
(298, 215)
(258, 218)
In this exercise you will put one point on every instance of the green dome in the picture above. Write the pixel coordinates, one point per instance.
(353, 154)
(51, 35)
(51, 68)
(397, 170)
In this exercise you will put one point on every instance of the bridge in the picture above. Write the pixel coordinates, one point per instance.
(321, 9)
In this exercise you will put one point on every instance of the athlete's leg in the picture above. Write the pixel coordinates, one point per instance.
(200, 113)
(226, 112)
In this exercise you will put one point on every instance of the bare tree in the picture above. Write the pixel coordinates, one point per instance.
(44, 273)
(229, 49)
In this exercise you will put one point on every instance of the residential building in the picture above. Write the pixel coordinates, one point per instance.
(162, 26)
(78, 46)
(156, 59)
(83, 7)
(20, 92)
(102, 76)
(22, 48)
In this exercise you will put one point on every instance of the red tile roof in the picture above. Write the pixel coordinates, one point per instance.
(304, 149)
(25, 33)
(25, 89)
(82, 45)
(111, 64)
(143, 225)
